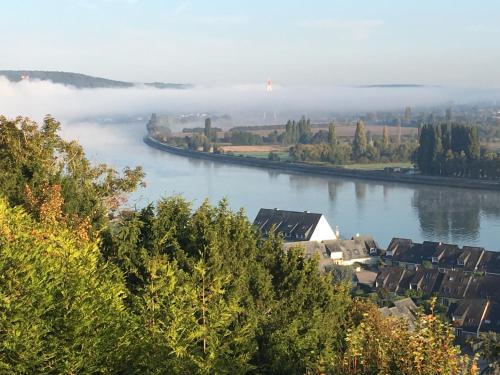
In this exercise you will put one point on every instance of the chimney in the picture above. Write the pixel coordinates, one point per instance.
(337, 232)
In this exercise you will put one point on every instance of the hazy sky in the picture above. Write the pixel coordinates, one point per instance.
(443, 42)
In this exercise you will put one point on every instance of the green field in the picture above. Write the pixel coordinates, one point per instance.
(378, 166)
(264, 155)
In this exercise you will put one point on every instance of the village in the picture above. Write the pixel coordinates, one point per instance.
(403, 276)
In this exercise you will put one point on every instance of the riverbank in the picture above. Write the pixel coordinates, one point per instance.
(305, 168)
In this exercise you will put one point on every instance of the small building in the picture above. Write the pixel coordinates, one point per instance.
(403, 309)
(366, 278)
(294, 225)
(359, 249)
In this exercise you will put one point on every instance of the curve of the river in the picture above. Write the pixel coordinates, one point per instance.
(383, 209)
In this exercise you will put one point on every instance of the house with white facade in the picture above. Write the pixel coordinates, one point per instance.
(294, 226)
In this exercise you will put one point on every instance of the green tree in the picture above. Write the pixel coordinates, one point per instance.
(61, 306)
(332, 136)
(385, 136)
(33, 159)
(208, 128)
(359, 144)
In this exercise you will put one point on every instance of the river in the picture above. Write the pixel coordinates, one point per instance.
(382, 209)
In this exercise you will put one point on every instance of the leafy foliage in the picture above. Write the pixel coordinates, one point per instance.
(33, 160)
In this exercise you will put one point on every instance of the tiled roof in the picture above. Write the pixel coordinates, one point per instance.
(293, 225)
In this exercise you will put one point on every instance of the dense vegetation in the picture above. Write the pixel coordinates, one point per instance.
(326, 147)
(168, 289)
(454, 150)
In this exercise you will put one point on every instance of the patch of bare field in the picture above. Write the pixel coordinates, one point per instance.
(493, 146)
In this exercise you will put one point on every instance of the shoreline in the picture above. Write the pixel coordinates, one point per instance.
(311, 169)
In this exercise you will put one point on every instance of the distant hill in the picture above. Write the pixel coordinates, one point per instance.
(392, 86)
(81, 81)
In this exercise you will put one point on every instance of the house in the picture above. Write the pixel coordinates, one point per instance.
(426, 281)
(454, 286)
(366, 278)
(451, 257)
(294, 225)
(359, 249)
(444, 257)
(405, 253)
(468, 317)
(312, 249)
(402, 309)
(398, 245)
(485, 287)
(392, 279)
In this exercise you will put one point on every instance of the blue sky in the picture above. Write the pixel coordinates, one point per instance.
(319, 43)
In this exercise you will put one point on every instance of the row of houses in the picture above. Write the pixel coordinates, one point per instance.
(472, 300)
(466, 280)
(441, 256)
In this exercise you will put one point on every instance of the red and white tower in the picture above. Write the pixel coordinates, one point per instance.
(269, 85)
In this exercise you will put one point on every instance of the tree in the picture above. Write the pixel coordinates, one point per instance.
(34, 159)
(378, 345)
(359, 144)
(398, 132)
(407, 115)
(385, 136)
(208, 128)
(62, 305)
(332, 136)
(490, 348)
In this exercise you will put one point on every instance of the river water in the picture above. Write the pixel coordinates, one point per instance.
(382, 209)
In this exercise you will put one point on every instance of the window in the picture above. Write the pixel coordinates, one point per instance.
(461, 262)
(435, 260)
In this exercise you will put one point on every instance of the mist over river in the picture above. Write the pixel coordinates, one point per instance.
(382, 209)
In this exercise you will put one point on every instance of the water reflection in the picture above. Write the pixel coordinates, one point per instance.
(332, 190)
(454, 215)
(360, 189)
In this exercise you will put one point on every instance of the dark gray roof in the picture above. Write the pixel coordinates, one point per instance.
(351, 249)
(293, 225)
(490, 262)
(491, 322)
(392, 278)
(366, 277)
(415, 253)
(399, 244)
(455, 284)
(426, 280)
(485, 286)
(468, 314)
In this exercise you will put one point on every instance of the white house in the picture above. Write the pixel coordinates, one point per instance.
(294, 225)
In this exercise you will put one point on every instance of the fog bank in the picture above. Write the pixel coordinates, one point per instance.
(37, 98)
